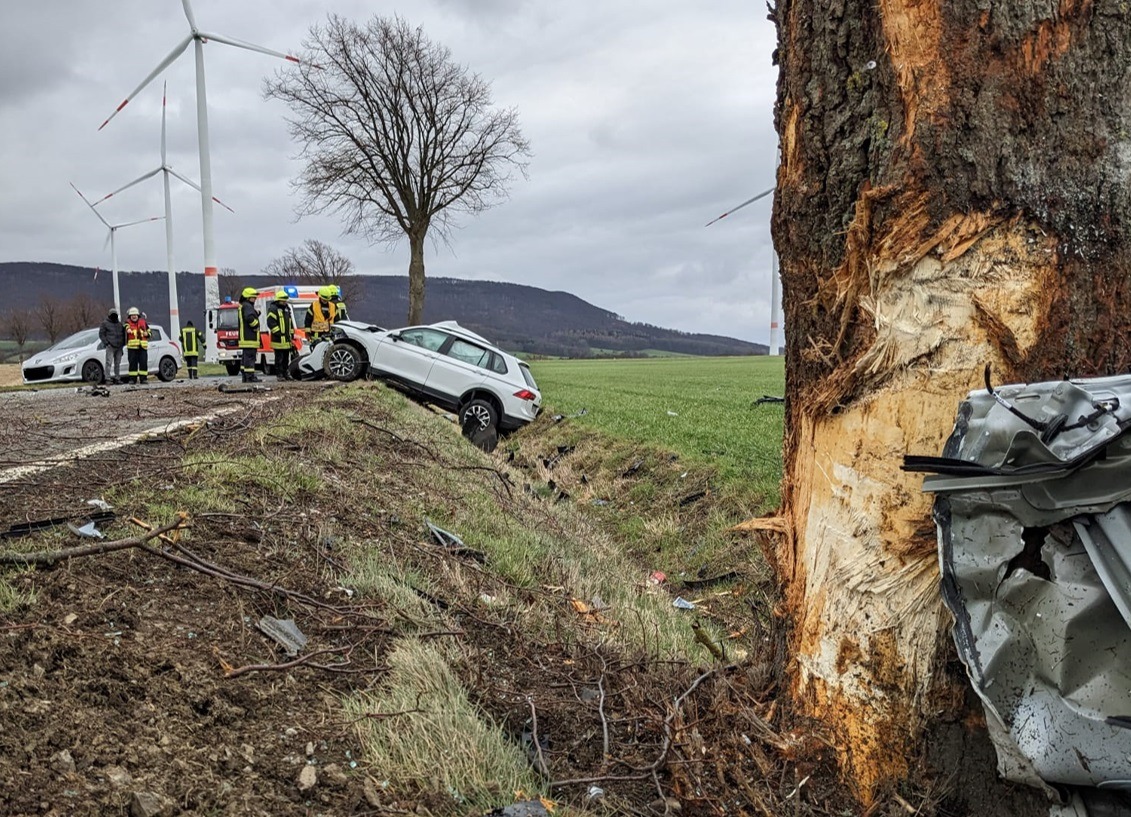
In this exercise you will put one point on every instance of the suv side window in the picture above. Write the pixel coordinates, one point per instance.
(469, 353)
(428, 339)
(498, 365)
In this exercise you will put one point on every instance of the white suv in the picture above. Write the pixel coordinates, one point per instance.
(442, 363)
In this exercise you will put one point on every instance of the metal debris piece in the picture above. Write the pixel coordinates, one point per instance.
(284, 632)
(98, 391)
(87, 531)
(101, 504)
(681, 603)
(224, 388)
(444, 538)
(523, 808)
(1033, 508)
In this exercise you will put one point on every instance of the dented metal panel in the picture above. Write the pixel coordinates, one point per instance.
(1033, 509)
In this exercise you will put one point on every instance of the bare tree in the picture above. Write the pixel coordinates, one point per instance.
(16, 326)
(398, 138)
(315, 263)
(230, 283)
(78, 313)
(50, 314)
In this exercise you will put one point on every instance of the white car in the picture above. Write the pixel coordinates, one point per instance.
(441, 363)
(80, 357)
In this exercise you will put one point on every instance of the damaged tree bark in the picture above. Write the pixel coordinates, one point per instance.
(953, 191)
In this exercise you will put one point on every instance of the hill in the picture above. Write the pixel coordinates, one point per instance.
(523, 318)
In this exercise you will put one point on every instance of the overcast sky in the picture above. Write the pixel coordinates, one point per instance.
(646, 120)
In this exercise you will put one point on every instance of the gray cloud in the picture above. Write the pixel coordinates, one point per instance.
(644, 125)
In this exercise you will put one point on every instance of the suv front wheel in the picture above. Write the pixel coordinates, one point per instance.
(343, 362)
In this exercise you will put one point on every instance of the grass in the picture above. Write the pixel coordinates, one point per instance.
(699, 408)
(439, 741)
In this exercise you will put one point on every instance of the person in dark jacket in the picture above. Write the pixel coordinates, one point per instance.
(112, 335)
(191, 344)
(249, 334)
(281, 325)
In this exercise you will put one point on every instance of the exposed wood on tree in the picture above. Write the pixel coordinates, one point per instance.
(953, 192)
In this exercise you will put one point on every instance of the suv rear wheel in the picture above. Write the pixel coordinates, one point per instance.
(478, 414)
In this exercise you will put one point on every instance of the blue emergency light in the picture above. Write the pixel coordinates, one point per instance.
(291, 290)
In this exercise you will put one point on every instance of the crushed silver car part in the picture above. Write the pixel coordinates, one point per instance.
(1033, 510)
(285, 632)
(87, 531)
(444, 538)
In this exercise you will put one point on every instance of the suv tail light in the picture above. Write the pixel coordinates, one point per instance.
(526, 394)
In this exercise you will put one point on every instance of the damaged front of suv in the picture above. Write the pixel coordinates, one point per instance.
(1033, 510)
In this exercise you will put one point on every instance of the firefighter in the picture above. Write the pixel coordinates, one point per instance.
(191, 344)
(340, 304)
(249, 334)
(281, 325)
(137, 346)
(323, 314)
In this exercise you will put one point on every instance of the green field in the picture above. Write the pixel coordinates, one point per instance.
(700, 408)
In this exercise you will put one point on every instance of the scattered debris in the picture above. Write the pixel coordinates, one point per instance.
(444, 538)
(104, 513)
(524, 808)
(595, 793)
(284, 632)
(766, 398)
(224, 388)
(673, 413)
(657, 577)
(681, 603)
(98, 391)
(599, 501)
(707, 582)
(691, 498)
(632, 469)
(87, 531)
(563, 450)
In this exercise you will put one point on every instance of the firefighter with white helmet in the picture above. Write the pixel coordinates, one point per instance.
(137, 346)
(281, 326)
(249, 334)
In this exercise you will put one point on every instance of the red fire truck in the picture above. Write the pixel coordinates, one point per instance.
(222, 333)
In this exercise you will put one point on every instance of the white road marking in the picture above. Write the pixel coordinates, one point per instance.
(69, 457)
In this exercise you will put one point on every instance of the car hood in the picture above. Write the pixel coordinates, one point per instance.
(1033, 511)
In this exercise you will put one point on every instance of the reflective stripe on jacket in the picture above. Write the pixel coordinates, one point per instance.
(249, 326)
(190, 341)
(137, 334)
(281, 325)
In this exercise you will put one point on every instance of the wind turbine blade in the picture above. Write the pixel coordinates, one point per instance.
(188, 14)
(196, 187)
(250, 46)
(139, 221)
(761, 195)
(161, 66)
(164, 93)
(109, 235)
(139, 179)
(91, 206)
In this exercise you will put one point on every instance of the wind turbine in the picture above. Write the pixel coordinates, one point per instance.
(166, 170)
(198, 38)
(775, 280)
(113, 229)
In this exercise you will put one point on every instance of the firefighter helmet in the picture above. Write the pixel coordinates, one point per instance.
(133, 312)
(249, 292)
(281, 295)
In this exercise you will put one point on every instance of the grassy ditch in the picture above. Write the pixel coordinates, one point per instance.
(446, 662)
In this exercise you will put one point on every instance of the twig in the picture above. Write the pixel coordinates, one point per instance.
(50, 557)
(601, 712)
(543, 769)
(233, 672)
(658, 763)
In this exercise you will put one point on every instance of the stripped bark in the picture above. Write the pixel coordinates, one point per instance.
(953, 192)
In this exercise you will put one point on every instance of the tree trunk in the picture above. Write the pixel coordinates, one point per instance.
(953, 192)
(416, 278)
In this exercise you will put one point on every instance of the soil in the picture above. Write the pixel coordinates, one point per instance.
(132, 685)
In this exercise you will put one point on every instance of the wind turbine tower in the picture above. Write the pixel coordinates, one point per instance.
(198, 38)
